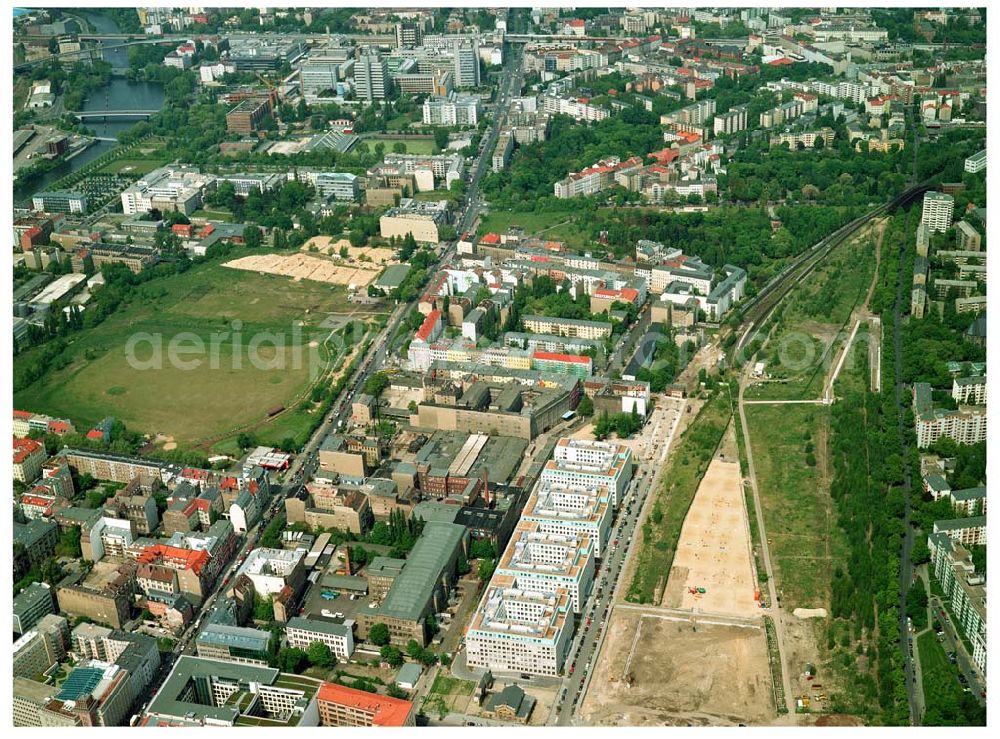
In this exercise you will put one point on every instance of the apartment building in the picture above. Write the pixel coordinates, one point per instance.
(937, 211)
(454, 110)
(570, 327)
(600, 464)
(969, 239)
(339, 705)
(29, 456)
(578, 109)
(597, 177)
(522, 631)
(730, 122)
(542, 561)
(136, 257)
(33, 543)
(31, 605)
(271, 570)
(969, 390)
(968, 532)
(571, 510)
(966, 425)
(25, 422)
(301, 632)
(503, 150)
(953, 568)
(976, 163)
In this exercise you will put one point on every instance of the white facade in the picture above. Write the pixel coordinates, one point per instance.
(937, 211)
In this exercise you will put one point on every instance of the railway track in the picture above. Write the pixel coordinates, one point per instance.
(757, 309)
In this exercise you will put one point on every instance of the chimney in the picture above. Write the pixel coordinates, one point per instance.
(347, 559)
(486, 485)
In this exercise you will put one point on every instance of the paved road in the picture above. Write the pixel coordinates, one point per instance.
(953, 643)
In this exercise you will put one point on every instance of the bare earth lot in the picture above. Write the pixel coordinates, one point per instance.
(682, 673)
(306, 267)
(714, 549)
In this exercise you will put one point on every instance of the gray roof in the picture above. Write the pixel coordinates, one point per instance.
(957, 524)
(321, 625)
(409, 673)
(432, 510)
(223, 635)
(28, 533)
(31, 596)
(410, 594)
(167, 701)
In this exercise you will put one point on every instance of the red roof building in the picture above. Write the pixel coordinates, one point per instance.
(557, 357)
(342, 706)
(430, 327)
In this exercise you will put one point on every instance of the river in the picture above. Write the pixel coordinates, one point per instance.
(120, 94)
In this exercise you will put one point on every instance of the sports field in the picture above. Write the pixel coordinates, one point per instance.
(243, 344)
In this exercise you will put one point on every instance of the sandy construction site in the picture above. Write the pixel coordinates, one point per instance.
(657, 669)
(373, 255)
(714, 549)
(306, 267)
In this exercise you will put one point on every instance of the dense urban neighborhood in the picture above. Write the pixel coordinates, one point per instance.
(536, 366)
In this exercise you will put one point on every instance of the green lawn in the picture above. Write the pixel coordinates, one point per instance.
(413, 146)
(501, 220)
(213, 214)
(447, 685)
(132, 166)
(241, 374)
(802, 532)
(679, 483)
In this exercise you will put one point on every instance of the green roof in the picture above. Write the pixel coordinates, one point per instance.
(393, 276)
(410, 594)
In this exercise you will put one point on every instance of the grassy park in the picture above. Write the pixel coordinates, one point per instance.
(241, 374)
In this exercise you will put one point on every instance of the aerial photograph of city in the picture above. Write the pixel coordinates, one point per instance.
(576, 366)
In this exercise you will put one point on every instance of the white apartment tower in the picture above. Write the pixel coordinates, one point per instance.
(938, 209)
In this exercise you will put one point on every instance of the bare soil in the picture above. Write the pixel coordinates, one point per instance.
(681, 673)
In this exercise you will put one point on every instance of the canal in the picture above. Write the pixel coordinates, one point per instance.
(120, 94)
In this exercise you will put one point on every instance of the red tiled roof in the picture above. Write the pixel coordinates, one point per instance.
(24, 448)
(427, 327)
(59, 427)
(386, 711)
(23, 414)
(95, 434)
(490, 238)
(782, 62)
(555, 357)
(188, 559)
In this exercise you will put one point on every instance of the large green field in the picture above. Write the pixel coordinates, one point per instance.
(802, 531)
(555, 226)
(236, 318)
(413, 146)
